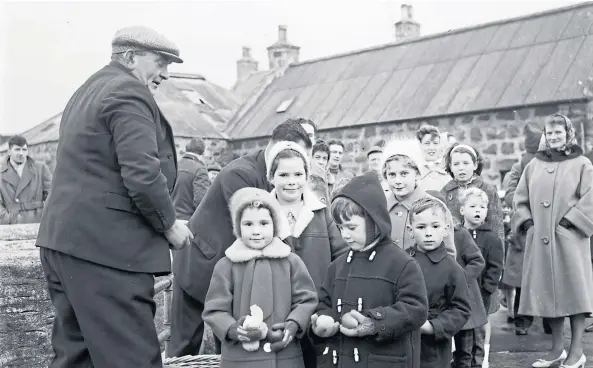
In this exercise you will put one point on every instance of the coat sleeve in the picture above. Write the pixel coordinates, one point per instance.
(200, 185)
(454, 317)
(336, 242)
(304, 294)
(232, 181)
(581, 214)
(128, 115)
(410, 310)
(521, 205)
(471, 255)
(511, 179)
(495, 216)
(46, 178)
(218, 306)
(494, 264)
(4, 214)
(325, 306)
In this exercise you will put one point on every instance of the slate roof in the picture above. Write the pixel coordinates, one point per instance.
(193, 106)
(539, 58)
(244, 89)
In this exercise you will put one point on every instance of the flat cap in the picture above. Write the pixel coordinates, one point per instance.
(214, 167)
(139, 38)
(374, 149)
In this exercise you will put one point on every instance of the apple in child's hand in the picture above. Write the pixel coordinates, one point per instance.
(275, 335)
(325, 322)
(348, 321)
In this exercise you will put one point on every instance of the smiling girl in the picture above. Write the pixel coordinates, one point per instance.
(402, 160)
(313, 235)
(464, 164)
(554, 212)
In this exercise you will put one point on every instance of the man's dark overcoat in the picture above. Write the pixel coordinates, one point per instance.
(110, 200)
(191, 186)
(211, 223)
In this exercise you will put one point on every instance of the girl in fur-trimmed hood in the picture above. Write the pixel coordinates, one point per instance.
(259, 269)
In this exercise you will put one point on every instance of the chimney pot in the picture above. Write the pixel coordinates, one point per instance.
(407, 28)
(246, 52)
(282, 33)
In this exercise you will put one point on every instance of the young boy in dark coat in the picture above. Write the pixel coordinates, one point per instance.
(469, 351)
(373, 299)
(474, 209)
(448, 297)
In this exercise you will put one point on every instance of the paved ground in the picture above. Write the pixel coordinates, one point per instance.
(511, 351)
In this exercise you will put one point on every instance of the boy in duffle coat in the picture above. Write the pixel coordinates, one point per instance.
(446, 286)
(373, 299)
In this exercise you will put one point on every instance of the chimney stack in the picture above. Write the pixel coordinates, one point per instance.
(282, 53)
(407, 28)
(246, 65)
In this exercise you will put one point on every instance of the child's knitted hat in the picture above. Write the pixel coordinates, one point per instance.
(258, 198)
(405, 147)
(281, 146)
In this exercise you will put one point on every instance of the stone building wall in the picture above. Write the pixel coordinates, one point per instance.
(497, 134)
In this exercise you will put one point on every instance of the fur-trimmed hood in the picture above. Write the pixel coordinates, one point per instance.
(239, 252)
(260, 198)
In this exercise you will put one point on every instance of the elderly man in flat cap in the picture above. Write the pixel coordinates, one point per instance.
(109, 220)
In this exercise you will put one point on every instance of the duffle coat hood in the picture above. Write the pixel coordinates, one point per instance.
(383, 283)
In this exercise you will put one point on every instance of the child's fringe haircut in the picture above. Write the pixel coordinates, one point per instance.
(344, 209)
(464, 195)
(426, 203)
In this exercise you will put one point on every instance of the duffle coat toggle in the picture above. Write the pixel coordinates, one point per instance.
(335, 357)
(356, 357)
(339, 305)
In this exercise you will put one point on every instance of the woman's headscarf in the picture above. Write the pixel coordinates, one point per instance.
(571, 139)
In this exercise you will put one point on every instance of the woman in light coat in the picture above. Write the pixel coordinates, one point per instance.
(554, 211)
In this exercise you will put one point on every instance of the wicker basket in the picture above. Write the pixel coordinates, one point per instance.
(193, 361)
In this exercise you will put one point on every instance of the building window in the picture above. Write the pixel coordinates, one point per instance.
(277, 54)
(284, 105)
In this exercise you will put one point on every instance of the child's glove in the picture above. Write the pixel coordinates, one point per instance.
(324, 326)
(365, 326)
(238, 333)
(289, 330)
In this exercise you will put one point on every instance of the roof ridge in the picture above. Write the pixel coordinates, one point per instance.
(446, 33)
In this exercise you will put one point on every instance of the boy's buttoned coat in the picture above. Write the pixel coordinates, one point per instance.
(557, 275)
(470, 258)
(448, 304)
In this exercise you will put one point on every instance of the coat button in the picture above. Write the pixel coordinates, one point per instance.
(378, 314)
(546, 240)
(169, 156)
(400, 213)
(397, 241)
(16, 200)
(550, 169)
(382, 328)
(546, 204)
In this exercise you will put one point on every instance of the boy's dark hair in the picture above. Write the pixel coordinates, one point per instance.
(478, 158)
(427, 129)
(344, 208)
(196, 146)
(304, 121)
(17, 140)
(336, 142)
(426, 203)
(320, 146)
(292, 131)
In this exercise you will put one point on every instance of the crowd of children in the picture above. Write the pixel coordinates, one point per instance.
(387, 270)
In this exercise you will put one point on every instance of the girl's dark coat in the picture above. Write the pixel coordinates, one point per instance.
(470, 258)
(389, 285)
(448, 303)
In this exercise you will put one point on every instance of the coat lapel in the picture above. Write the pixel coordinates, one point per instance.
(28, 173)
(311, 204)
(9, 175)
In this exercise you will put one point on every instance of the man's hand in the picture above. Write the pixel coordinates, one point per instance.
(365, 327)
(179, 235)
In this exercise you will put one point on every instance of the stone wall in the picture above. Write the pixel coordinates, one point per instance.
(216, 151)
(25, 308)
(26, 313)
(498, 135)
